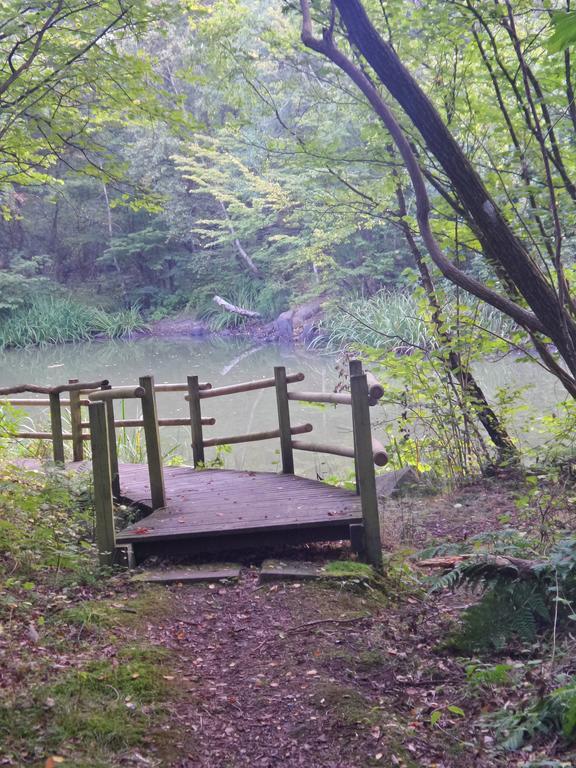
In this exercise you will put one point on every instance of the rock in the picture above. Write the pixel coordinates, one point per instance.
(396, 482)
(284, 326)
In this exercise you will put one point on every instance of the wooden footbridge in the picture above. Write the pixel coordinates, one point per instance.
(196, 509)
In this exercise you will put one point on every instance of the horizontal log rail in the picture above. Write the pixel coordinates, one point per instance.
(379, 455)
(37, 402)
(335, 398)
(203, 385)
(247, 386)
(375, 389)
(207, 421)
(76, 387)
(117, 393)
(335, 450)
(252, 437)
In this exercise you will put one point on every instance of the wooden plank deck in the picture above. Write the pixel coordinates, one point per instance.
(217, 509)
(218, 502)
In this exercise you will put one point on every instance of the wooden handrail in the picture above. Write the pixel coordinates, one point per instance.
(83, 386)
(335, 450)
(299, 429)
(38, 402)
(379, 454)
(116, 393)
(180, 387)
(336, 398)
(248, 386)
(375, 389)
(208, 421)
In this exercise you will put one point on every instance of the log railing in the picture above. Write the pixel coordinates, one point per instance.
(80, 395)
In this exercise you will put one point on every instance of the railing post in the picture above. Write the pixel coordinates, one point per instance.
(365, 468)
(112, 445)
(355, 368)
(152, 437)
(196, 420)
(103, 502)
(76, 423)
(284, 420)
(56, 428)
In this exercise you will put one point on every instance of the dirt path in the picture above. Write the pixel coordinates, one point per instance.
(291, 675)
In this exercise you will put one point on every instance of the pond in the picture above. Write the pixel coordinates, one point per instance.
(228, 361)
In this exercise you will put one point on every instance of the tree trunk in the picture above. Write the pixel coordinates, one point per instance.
(499, 240)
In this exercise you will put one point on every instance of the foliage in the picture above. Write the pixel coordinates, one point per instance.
(46, 522)
(555, 713)
(431, 424)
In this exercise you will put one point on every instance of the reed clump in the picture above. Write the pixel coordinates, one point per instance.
(57, 320)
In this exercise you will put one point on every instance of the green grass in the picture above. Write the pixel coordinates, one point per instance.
(57, 320)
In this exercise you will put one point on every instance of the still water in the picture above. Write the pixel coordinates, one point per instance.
(228, 361)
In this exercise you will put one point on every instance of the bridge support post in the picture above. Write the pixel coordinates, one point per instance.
(365, 467)
(76, 423)
(152, 437)
(103, 502)
(284, 420)
(196, 420)
(113, 449)
(56, 428)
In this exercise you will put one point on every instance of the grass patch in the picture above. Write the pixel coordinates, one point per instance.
(91, 713)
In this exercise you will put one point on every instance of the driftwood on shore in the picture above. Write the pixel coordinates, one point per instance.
(233, 308)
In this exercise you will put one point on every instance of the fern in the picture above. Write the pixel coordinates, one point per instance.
(514, 605)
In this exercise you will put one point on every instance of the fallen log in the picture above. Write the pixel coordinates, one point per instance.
(499, 563)
(233, 308)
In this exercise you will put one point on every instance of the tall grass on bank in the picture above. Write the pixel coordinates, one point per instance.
(56, 320)
(394, 321)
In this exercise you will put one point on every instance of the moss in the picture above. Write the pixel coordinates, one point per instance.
(350, 569)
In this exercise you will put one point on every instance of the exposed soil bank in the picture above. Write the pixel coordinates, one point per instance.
(300, 324)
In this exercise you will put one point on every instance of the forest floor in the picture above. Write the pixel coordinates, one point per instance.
(342, 675)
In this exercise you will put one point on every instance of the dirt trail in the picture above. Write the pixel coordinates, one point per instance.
(292, 675)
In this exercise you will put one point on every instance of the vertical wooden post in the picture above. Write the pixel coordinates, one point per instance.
(355, 368)
(103, 503)
(365, 468)
(56, 428)
(76, 423)
(196, 420)
(284, 420)
(152, 437)
(112, 445)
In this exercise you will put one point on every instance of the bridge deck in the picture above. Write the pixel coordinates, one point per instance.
(218, 502)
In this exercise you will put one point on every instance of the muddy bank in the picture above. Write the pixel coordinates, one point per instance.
(300, 324)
